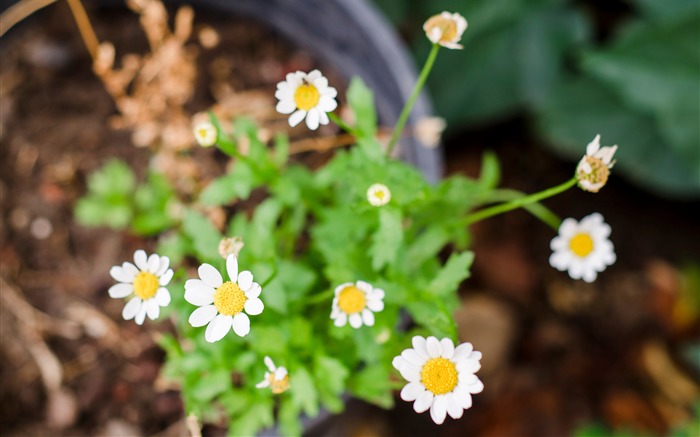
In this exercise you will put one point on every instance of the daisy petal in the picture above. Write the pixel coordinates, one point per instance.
(218, 328)
(312, 119)
(341, 320)
(241, 324)
(210, 275)
(462, 351)
(434, 348)
(165, 279)
(253, 291)
(197, 293)
(297, 117)
(462, 397)
(411, 391)
(280, 373)
(245, 280)
(424, 401)
(152, 309)
(453, 408)
(420, 346)
(410, 372)
(476, 387)
(202, 315)
(130, 269)
(163, 297)
(141, 260)
(232, 267)
(285, 106)
(120, 290)
(375, 305)
(131, 308)
(368, 318)
(153, 263)
(119, 274)
(355, 320)
(439, 409)
(263, 384)
(164, 264)
(448, 348)
(413, 357)
(269, 364)
(468, 365)
(141, 314)
(254, 306)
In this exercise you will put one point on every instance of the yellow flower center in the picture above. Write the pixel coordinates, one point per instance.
(581, 245)
(229, 299)
(447, 27)
(203, 133)
(379, 194)
(352, 300)
(145, 285)
(278, 385)
(439, 375)
(306, 96)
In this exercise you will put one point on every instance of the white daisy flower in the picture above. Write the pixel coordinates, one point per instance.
(146, 281)
(357, 303)
(205, 133)
(220, 303)
(277, 378)
(441, 377)
(583, 248)
(378, 195)
(594, 168)
(445, 29)
(306, 95)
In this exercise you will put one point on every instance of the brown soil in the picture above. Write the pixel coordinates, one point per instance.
(557, 353)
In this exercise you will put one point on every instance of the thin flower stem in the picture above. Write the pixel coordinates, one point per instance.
(398, 129)
(536, 209)
(85, 27)
(320, 297)
(518, 203)
(341, 124)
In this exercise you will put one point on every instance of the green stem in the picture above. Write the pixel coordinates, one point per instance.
(341, 124)
(412, 99)
(536, 209)
(517, 203)
(320, 297)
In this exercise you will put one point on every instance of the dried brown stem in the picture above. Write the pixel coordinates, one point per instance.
(85, 27)
(19, 11)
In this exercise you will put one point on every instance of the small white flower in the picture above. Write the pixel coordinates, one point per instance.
(445, 29)
(306, 95)
(441, 377)
(220, 303)
(146, 281)
(205, 133)
(231, 245)
(356, 303)
(277, 378)
(378, 195)
(593, 170)
(583, 248)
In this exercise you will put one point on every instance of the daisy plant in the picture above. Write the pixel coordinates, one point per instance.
(335, 272)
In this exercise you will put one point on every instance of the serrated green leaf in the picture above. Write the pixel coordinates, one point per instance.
(387, 239)
(361, 100)
(211, 384)
(452, 274)
(221, 191)
(372, 384)
(114, 178)
(205, 237)
(331, 374)
(256, 416)
(303, 392)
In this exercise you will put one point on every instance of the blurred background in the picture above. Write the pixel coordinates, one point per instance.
(536, 81)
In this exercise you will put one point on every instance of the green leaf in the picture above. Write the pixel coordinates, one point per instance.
(387, 239)
(281, 149)
(452, 274)
(205, 237)
(490, 171)
(212, 384)
(426, 246)
(255, 417)
(361, 100)
(221, 191)
(114, 178)
(288, 418)
(372, 384)
(303, 392)
(434, 317)
(331, 374)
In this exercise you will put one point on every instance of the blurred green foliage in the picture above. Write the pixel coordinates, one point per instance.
(639, 88)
